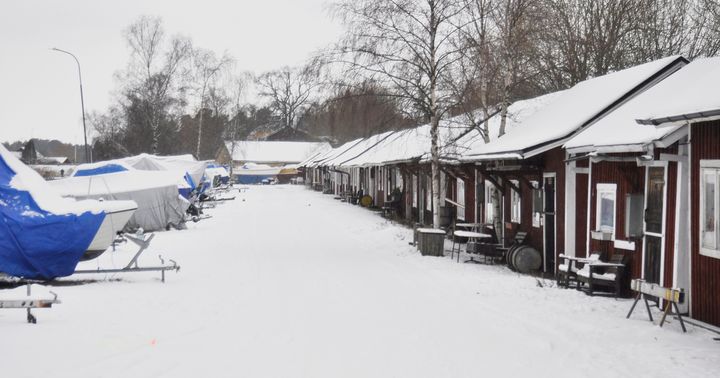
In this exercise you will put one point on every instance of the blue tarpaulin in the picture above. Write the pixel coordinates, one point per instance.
(101, 170)
(186, 192)
(35, 243)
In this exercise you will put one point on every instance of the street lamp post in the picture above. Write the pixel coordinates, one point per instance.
(82, 102)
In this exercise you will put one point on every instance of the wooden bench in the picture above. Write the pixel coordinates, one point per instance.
(567, 271)
(604, 274)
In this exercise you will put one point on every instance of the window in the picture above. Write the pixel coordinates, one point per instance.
(709, 200)
(537, 201)
(460, 199)
(515, 203)
(489, 209)
(605, 208)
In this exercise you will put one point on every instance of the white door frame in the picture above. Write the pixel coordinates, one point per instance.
(662, 235)
(544, 224)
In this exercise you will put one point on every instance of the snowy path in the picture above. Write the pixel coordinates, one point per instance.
(290, 283)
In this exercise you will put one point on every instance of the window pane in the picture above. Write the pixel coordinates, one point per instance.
(460, 196)
(708, 208)
(607, 211)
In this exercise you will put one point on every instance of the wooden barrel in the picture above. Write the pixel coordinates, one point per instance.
(526, 259)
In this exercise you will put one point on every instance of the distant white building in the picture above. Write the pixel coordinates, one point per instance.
(272, 153)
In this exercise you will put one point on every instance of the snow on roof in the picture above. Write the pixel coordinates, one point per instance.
(619, 131)
(273, 152)
(692, 97)
(320, 153)
(336, 152)
(357, 149)
(410, 144)
(519, 112)
(573, 109)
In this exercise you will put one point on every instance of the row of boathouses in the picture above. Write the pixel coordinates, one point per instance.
(622, 164)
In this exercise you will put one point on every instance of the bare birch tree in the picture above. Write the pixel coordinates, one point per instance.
(207, 67)
(407, 46)
(155, 73)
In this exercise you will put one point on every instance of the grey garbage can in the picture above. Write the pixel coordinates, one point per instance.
(431, 241)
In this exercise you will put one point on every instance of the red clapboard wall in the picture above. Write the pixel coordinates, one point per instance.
(705, 271)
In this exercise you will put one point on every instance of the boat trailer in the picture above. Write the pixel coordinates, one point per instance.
(29, 304)
(143, 243)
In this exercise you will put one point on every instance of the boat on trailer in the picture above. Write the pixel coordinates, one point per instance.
(117, 214)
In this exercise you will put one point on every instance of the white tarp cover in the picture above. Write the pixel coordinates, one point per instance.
(180, 164)
(155, 193)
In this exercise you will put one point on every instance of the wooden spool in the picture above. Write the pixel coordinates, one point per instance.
(526, 259)
(366, 201)
(509, 257)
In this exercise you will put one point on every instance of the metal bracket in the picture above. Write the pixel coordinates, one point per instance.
(29, 304)
(133, 266)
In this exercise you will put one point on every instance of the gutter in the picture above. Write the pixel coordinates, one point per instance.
(679, 118)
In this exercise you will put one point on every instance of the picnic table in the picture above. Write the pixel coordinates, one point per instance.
(460, 236)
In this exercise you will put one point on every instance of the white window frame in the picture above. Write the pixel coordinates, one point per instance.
(489, 187)
(537, 214)
(600, 189)
(460, 198)
(428, 193)
(714, 167)
(515, 203)
(415, 184)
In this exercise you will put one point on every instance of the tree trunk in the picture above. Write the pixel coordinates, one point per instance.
(485, 110)
(505, 100)
(200, 122)
(497, 211)
(155, 125)
(435, 154)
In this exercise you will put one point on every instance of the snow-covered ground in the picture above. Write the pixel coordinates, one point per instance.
(285, 282)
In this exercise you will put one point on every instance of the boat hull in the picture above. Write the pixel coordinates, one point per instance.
(113, 223)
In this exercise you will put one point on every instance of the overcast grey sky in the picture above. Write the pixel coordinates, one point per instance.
(39, 88)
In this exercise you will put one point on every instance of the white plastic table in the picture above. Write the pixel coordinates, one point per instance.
(470, 235)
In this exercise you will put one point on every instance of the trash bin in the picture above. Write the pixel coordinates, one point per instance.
(431, 241)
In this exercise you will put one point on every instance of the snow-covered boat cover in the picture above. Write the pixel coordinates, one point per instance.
(155, 192)
(187, 174)
(42, 235)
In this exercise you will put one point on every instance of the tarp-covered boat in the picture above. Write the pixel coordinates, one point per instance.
(42, 235)
(155, 192)
(251, 173)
